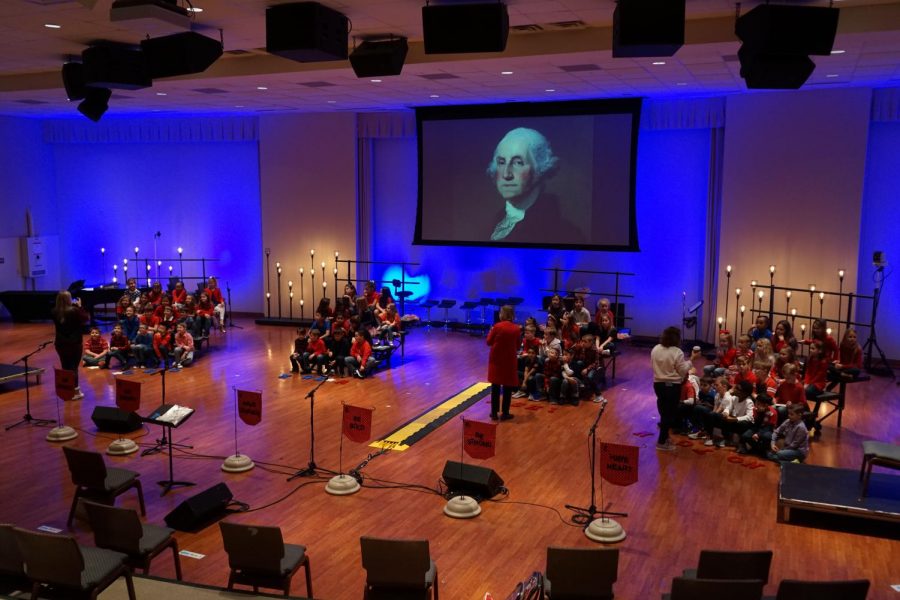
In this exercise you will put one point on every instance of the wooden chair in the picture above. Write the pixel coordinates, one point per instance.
(880, 454)
(398, 568)
(120, 529)
(93, 480)
(685, 588)
(581, 573)
(723, 564)
(12, 567)
(58, 561)
(258, 557)
(792, 589)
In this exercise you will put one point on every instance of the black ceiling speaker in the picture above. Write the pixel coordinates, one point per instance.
(648, 28)
(114, 66)
(378, 58)
(95, 103)
(772, 71)
(306, 32)
(180, 54)
(784, 29)
(73, 80)
(462, 28)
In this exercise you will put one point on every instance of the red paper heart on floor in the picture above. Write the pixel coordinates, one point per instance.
(684, 444)
(702, 450)
(736, 460)
(533, 407)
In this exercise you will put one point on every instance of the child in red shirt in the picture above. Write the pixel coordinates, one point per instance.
(815, 379)
(119, 346)
(360, 362)
(96, 350)
(315, 352)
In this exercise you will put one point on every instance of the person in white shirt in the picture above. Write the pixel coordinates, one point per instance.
(669, 370)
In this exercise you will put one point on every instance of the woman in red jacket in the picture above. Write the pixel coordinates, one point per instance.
(502, 369)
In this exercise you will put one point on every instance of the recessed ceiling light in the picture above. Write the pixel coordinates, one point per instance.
(832, 75)
(681, 83)
(375, 80)
(239, 106)
(332, 102)
(549, 90)
(838, 51)
(434, 96)
(261, 87)
(52, 26)
(659, 62)
(506, 72)
(194, 9)
(160, 93)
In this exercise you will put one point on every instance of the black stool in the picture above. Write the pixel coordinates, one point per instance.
(428, 305)
(447, 305)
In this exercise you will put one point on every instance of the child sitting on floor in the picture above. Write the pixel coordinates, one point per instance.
(299, 347)
(795, 436)
(96, 350)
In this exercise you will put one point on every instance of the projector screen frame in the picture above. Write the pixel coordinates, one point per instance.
(624, 106)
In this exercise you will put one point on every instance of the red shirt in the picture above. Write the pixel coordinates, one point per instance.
(161, 344)
(728, 357)
(816, 372)
(185, 341)
(750, 376)
(215, 295)
(361, 351)
(205, 310)
(95, 344)
(155, 297)
(316, 348)
(119, 341)
(503, 340)
(179, 296)
(371, 297)
(552, 368)
(851, 357)
(790, 393)
(150, 320)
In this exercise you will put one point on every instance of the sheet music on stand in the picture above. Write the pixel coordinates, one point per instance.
(171, 415)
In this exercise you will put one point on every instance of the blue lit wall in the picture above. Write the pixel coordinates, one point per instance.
(203, 197)
(878, 231)
(673, 169)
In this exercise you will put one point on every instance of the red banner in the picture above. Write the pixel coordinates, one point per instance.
(619, 463)
(65, 384)
(479, 439)
(357, 425)
(249, 406)
(128, 394)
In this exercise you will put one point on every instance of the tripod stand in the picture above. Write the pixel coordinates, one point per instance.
(27, 418)
(872, 342)
(230, 313)
(164, 442)
(312, 469)
(587, 516)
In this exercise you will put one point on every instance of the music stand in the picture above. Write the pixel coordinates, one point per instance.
(162, 417)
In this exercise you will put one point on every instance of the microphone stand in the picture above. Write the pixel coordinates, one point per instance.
(230, 317)
(585, 516)
(311, 469)
(28, 418)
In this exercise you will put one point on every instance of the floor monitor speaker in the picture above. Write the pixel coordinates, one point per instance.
(200, 509)
(471, 480)
(110, 418)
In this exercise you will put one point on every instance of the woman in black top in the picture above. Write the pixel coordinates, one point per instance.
(69, 319)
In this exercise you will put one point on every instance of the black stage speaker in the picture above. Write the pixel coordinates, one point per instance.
(771, 71)
(379, 58)
(648, 28)
(200, 509)
(117, 67)
(110, 418)
(786, 29)
(73, 80)
(180, 54)
(306, 32)
(470, 480)
(461, 28)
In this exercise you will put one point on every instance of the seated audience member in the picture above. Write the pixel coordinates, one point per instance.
(203, 316)
(783, 336)
(130, 323)
(528, 369)
(556, 308)
(570, 388)
(132, 291)
(142, 347)
(321, 324)
(606, 336)
(188, 313)
(704, 416)
(370, 295)
(763, 358)
(179, 295)
(569, 333)
(725, 356)
(765, 382)
(579, 314)
(589, 367)
(119, 346)
(123, 303)
(385, 299)
(785, 356)
(96, 350)
(704, 404)
(299, 348)
(815, 378)
(390, 324)
(603, 308)
(789, 392)
(550, 342)
(168, 319)
(743, 348)
(324, 308)
(365, 315)
(350, 293)
(360, 362)
(758, 437)
(338, 345)
(795, 436)
(162, 344)
(744, 371)
(739, 416)
(827, 346)
(316, 354)
(342, 321)
(849, 362)
(148, 317)
(215, 296)
(549, 378)
(690, 390)
(165, 302)
(183, 346)
(155, 295)
(761, 331)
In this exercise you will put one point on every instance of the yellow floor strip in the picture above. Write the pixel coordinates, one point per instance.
(394, 440)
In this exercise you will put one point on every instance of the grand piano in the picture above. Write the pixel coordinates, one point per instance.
(26, 306)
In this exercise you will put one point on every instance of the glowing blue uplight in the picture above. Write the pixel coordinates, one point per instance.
(419, 290)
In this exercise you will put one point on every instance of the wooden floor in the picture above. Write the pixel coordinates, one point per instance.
(683, 502)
